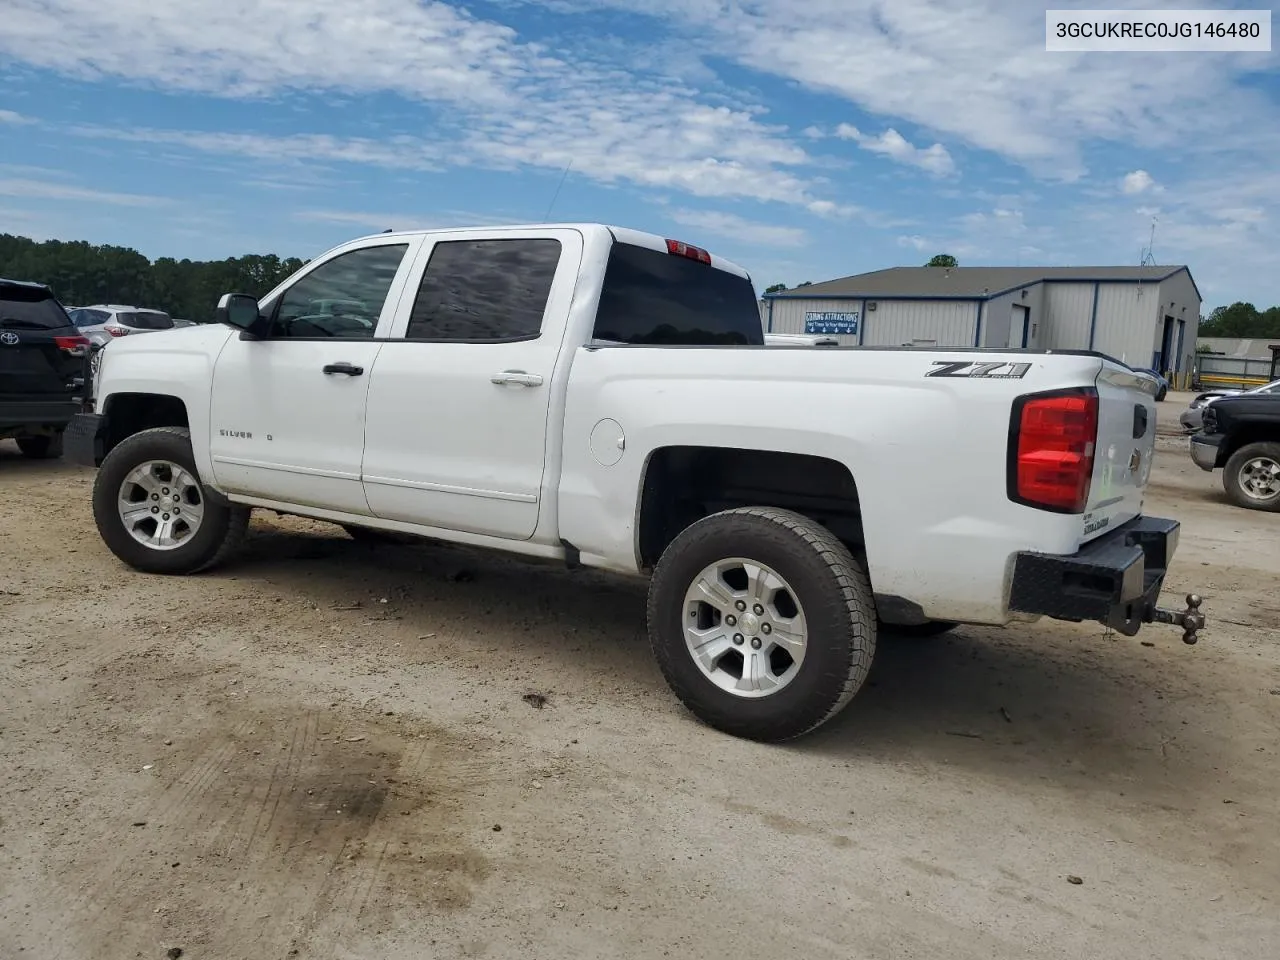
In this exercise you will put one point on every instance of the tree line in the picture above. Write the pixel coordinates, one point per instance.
(1242, 320)
(82, 273)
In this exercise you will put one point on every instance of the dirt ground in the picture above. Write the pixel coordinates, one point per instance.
(325, 751)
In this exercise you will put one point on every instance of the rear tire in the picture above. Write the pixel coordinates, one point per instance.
(41, 447)
(814, 598)
(149, 471)
(1252, 477)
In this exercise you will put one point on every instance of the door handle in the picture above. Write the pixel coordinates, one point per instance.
(518, 377)
(349, 369)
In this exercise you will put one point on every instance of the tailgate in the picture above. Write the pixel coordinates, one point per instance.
(1125, 445)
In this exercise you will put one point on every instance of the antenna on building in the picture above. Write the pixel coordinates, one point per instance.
(1147, 258)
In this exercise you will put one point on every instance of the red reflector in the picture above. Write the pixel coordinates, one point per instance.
(1053, 450)
(678, 249)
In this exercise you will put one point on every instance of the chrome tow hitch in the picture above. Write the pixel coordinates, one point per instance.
(1191, 620)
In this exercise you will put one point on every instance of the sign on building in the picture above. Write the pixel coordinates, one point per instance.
(846, 323)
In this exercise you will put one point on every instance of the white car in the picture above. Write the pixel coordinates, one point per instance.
(605, 398)
(104, 322)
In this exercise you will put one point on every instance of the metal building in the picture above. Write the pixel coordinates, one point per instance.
(1144, 316)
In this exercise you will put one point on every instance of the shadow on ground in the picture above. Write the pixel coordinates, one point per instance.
(1049, 701)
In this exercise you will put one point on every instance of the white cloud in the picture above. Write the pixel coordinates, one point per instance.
(43, 190)
(398, 153)
(1139, 181)
(915, 242)
(398, 221)
(10, 116)
(976, 71)
(501, 103)
(892, 144)
(736, 228)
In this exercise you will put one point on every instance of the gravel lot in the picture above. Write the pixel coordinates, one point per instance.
(326, 750)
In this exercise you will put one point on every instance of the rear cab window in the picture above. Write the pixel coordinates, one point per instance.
(659, 298)
(30, 308)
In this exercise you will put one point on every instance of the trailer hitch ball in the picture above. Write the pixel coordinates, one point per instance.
(1191, 620)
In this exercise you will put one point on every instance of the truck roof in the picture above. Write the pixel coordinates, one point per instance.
(621, 234)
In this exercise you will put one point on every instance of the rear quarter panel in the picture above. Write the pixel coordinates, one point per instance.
(928, 453)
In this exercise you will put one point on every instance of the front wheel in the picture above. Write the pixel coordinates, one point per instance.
(762, 622)
(153, 512)
(1252, 476)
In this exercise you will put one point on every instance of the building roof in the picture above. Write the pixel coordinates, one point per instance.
(969, 283)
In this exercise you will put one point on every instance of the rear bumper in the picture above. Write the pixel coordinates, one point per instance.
(1204, 451)
(37, 413)
(1115, 579)
(84, 441)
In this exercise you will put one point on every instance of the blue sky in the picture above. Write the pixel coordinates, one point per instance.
(806, 139)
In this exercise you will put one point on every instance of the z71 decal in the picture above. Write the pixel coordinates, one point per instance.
(982, 371)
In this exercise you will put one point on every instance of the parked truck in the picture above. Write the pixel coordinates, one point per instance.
(601, 397)
(1240, 435)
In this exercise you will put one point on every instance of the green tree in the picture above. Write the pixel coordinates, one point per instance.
(81, 273)
(943, 260)
(775, 288)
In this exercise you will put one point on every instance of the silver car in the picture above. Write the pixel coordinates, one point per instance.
(104, 322)
(1192, 418)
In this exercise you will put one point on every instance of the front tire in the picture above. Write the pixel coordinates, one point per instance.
(762, 622)
(154, 513)
(1252, 477)
(41, 447)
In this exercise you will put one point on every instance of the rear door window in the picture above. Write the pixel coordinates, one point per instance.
(652, 297)
(485, 291)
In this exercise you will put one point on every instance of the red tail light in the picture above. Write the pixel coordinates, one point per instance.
(117, 331)
(77, 345)
(1051, 447)
(678, 249)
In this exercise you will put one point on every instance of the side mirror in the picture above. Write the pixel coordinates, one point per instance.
(240, 310)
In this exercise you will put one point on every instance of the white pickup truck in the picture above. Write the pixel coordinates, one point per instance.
(606, 398)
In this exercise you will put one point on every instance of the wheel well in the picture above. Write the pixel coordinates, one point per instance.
(1245, 435)
(130, 413)
(684, 484)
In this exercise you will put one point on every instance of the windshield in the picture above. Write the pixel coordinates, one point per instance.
(146, 320)
(658, 298)
(30, 308)
(1272, 387)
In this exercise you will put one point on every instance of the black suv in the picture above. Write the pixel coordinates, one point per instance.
(42, 368)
